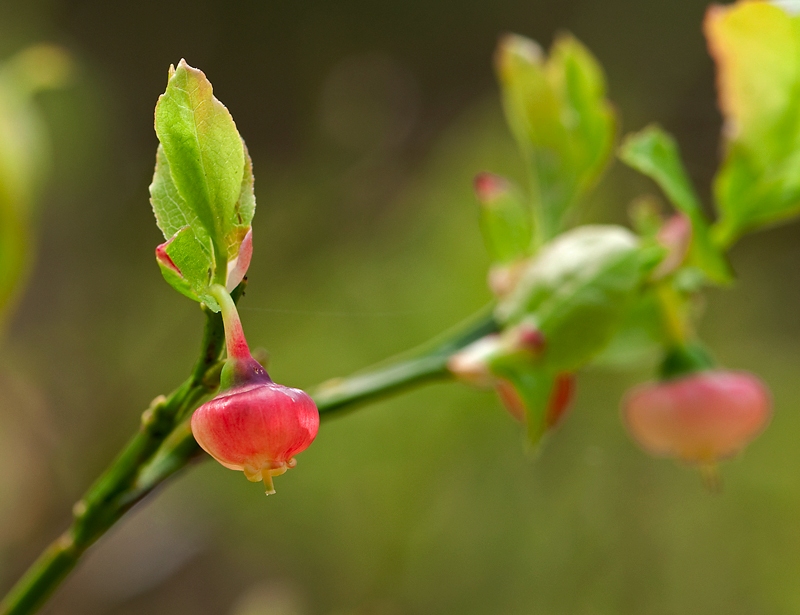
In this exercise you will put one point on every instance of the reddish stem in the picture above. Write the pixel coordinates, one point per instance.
(234, 334)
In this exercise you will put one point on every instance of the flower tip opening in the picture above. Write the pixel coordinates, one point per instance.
(266, 474)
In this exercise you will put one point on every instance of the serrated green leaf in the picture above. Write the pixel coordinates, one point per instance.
(654, 153)
(578, 290)
(756, 47)
(206, 160)
(557, 111)
(504, 218)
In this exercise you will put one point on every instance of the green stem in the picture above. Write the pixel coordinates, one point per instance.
(106, 501)
(673, 314)
(684, 354)
(164, 445)
(427, 363)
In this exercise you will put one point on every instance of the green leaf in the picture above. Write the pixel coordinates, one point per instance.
(203, 183)
(24, 156)
(244, 209)
(171, 210)
(578, 290)
(640, 338)
(557, 110)
(188, 265)
(654, 153)
(505, 219)
(534, 388)
(756, 46)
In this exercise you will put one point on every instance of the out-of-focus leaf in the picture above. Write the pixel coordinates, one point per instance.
(533, 387)
(203, 182)
(639, 338)
(756, 46)
(577, 290)
(24, 156)
(654, 153)
(645, 215)
(557, 110)
(505, 219)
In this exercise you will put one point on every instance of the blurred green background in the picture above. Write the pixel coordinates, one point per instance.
(367, 122)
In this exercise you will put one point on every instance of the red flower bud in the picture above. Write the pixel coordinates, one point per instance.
(253, 424)
(257, 427)
(699, 418)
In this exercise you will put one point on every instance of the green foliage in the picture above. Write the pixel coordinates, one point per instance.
(534, 385)
(557, 111)
(187, 269)
(505, 219)
(640, 336)
(654, 153)
(24, 156)
(756, 46)
(578, 290)
(202, 190)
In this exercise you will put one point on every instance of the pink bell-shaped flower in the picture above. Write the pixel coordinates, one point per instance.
(253, 424)
(698, 418)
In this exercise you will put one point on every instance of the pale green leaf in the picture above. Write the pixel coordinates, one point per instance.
(202, 190)
(654, 153)
(193, 266)
(205, 154)
(534, 387)
(243, 210)
(171, 210)
(24, 156)
(756, 46)
(505, 219)
(640, 337)
(557, 111)
(577, 290)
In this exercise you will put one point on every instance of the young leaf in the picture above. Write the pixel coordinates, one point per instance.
(24, 156)
(202, 190)
(654, 153)
(756, 46)
(505, 219)
(557, 111)
(532, 388)
(171, 210)
(187, 265)
(640, 338)
(577, 290)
